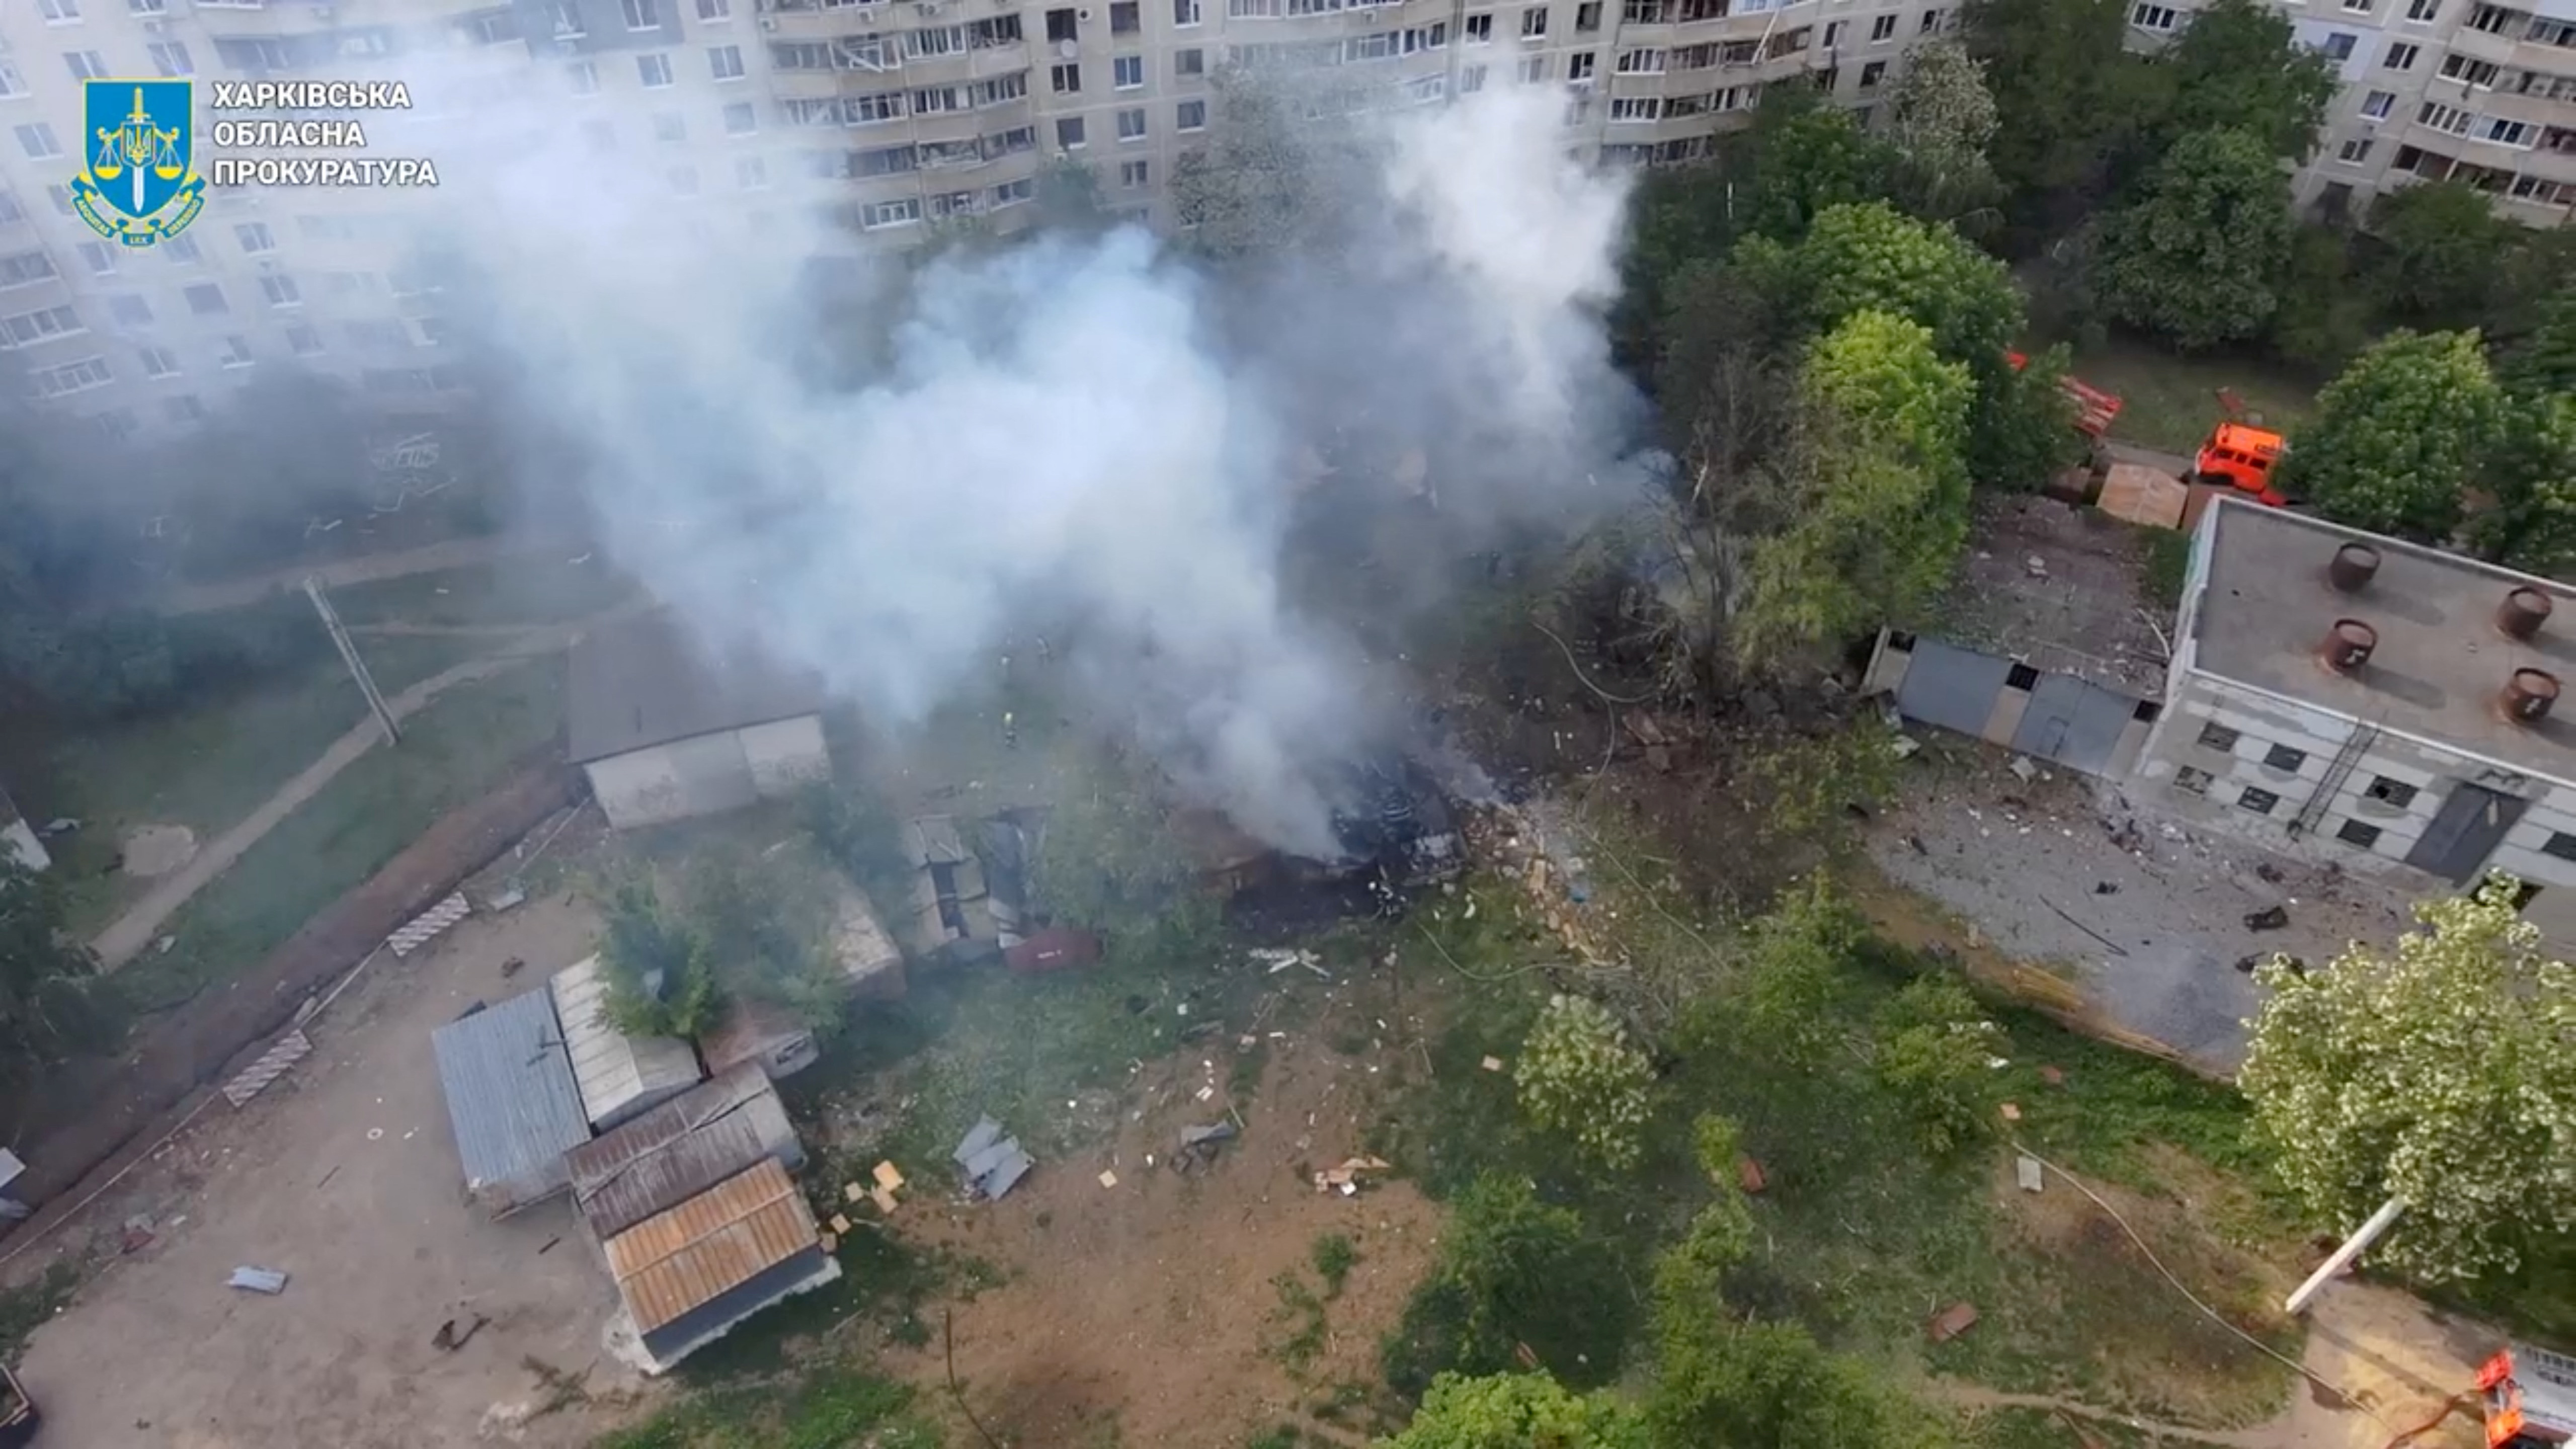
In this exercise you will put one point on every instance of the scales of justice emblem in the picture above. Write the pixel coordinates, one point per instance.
(141, 185)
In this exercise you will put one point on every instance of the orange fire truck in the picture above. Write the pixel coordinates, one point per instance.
(2530, 1397)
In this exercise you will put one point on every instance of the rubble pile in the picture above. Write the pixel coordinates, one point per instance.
(1515, 844)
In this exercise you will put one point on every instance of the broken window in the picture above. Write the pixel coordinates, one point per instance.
(2217, 737)
(2195, 781)
(2282, 757)
(2392, 792)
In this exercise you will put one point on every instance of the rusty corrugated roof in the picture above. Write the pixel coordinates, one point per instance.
(680, 1149)
(724, 1237)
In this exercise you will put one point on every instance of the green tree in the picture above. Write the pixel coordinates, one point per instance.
(2396, 436)
(1807, 157)
(1873, 257)
(1790, 980)
(660, 967)
(46, 1009)
(2022, 432)
(2325, 317)
(1773, 1385)
(2543, 361)
(1513, 1272)
(1518, 1411)
(2199, 256)
(767, 924)
(1936, 1052)
(1881, 492)
(2435, 1072)
(2064, 93)
(1108, 862)
(2530, 474)
(1578, 1075)
(1068, 198)
(2441, 250)
(1267, 183)
(2238, 66)
(1940, 120)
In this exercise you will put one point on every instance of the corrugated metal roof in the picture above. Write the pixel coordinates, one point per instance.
(678, 1259)
(512, 1100)
(750, 1032)
(680, 1149)
(615, 1071)
(643, 682)
(859, 940)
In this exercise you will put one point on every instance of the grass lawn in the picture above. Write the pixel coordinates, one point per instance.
(535, 589)
(2170, 402)
(210, 766)
(451, 752)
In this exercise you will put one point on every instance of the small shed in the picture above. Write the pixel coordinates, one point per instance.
(760, 1035)
(952, 912)
(688, 1274)
(666, 730)
(620, 1076)
(680, 1149)
(512, 1100)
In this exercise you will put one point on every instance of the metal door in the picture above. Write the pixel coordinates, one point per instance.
(1951, 687)
(2073, 722)
(2471, 824)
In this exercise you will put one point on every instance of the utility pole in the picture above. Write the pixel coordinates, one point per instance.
(2342, 1257)
(349, 655)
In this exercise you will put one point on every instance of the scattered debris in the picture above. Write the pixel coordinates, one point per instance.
(1907, 747)
(2270, 918)
(448, 1340)
(1346, 1178)
(258, 1280)
(2106, 888)
(1279, 959)
(1108, 1178)
(840, 1222)
(992, 1163)
(1492, 1064)
(549, 1246)
(882, 1194)
(2026, 1172)
(1952, 1321)
(830, 1242)
(514, 895)
(1199, 1145)
(2023, 770)
(512, 966)
(2054, 1076)
(2011, 1111)
(1749, 1174)
(138, 1235)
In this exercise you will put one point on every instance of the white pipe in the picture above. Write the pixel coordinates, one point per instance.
(2352, 1248)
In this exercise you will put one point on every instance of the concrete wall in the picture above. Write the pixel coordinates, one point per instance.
(786, 754)
(2263, 721)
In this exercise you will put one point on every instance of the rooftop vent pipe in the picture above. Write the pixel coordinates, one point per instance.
(2347, 646)
(2523, 612)
(2355, 564)
(2528, 695)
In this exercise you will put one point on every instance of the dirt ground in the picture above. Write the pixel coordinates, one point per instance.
(1154, 1304)
(344, 1176)
(2026, 864)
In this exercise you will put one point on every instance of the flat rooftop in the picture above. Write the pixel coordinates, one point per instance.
(2440, 663)
(643, 682)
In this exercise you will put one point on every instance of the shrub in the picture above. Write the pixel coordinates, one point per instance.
(1578, 1075)
(1936, 1051)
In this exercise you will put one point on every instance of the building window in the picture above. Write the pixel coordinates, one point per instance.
(1068, 133)
(37, 139)
(2195, 781)
(281, 291)
(642, 14)
(2147, 711)
(724, 62)
(87, 65)
(159, 362)
(2215, 736)
(206, 300)
(1060, 26)
(39, 326)
(2559, 844)
(2282, 757)
(1066, 78)
(182, 250)
(2356, 832)
(2261, 802)
(2377, 105)
(2338, 46)
(59, 12)
(1192, 61)
(1931, 22)
(715, 9)
(891, 213)
(2390, 792)
(568, 24)
(1191, 115)
(1126, 17)
(303, 341)
(236, 353)
(2421, 12)
(2401, 56)
(2159, 18)
(254, 237)
(185, 408)
(1580, 67)
(172, 59)
(1131, 124)
(100, 257)
(1533, 69)
(669, 128)
(1133, 173)
(1883, 28)
(1127, 72)
(584, 77)
(2355, 151)
(129, 311)
(1480, 29)
(653, 70)
(1587, 17)
(1872, 73)
(1185, 12)
(740, 119)
(1534, 24)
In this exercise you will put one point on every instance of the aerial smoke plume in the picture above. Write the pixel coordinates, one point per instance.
(1083, 437)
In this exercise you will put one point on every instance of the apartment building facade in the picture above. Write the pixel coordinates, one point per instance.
(892, 114)
(2480, 91)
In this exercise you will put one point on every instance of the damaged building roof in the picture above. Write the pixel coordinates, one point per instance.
(2440, 663)
(512, 1100)
(680, 1149)
(645, 682)
(691, 1255)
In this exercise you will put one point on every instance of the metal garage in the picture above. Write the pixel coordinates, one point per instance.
(2062, 718)
(666, 730)
(2075, 722)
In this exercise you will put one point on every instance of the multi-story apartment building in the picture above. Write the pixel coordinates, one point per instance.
(894, 113)
(2434, 89)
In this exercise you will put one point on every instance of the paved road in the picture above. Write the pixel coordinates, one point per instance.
(454, 553)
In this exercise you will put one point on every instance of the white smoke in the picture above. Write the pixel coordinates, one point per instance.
(1060, 443)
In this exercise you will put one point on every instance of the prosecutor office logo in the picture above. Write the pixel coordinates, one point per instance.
(142, 183)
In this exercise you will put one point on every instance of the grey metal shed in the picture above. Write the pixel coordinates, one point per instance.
(512, 1100)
